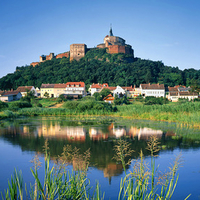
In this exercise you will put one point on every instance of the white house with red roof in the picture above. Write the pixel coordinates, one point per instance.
(154, 90)
(97, 87)
(10, 96)
(75, 89)
(25, 89)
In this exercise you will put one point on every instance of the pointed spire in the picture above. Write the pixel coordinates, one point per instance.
(111, 33)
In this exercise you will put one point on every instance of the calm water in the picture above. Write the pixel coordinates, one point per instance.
(21, 139)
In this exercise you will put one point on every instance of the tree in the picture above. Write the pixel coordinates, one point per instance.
(46, 94)
(104, 93)
(97, 96)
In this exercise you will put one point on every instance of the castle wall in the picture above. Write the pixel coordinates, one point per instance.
(50, 56)
(120, 49)
(101, 46)
(34, 63)
(77, 51)
(42, 58)
(61, 55)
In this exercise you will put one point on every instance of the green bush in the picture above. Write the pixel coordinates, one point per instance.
(19, 104)
(155, 100)
(71, 104)
(88, 105)
(3, 105)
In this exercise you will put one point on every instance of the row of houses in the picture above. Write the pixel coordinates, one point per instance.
(155, 90)
(76, 89)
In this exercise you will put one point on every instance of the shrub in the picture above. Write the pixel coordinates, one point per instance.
(155, 100)
(19, 104)
(3, 105)
(87, 105)
(71, 104)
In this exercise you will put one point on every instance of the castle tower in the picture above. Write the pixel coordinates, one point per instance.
(77, 51)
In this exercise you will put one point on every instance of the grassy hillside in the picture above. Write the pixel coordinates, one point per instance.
(99, 66)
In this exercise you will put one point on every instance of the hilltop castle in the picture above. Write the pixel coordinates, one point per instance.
(114, 44)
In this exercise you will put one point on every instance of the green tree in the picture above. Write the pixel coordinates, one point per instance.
(105, 92)
(46, 94)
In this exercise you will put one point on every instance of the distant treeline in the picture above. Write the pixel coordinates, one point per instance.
(100, 67)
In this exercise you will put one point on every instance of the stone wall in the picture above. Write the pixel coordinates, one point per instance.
(61, 55)
(34, 63)
(77, 51)
(120, 49)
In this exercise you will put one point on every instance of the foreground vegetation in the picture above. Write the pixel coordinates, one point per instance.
(60, 183)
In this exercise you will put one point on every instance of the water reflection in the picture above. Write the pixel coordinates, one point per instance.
(78, 133)
(99, 138)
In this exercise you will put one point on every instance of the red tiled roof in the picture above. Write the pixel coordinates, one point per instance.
(153, 86)
(60, 85)
(11, 93)
(188, 94)
(47, 85)
(81, 84)
(111, 88)
(97, 85)
(173, 89)
(24, 88)
(128, 88)
(177, 86)
(109, 97)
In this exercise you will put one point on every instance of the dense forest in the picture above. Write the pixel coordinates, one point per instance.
(100, 67)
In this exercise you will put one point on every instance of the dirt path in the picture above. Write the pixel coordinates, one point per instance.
(57, 105)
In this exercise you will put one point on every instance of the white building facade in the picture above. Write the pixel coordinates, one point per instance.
(154, 90)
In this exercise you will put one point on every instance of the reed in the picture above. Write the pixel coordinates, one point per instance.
(184, 113)
(142, 183)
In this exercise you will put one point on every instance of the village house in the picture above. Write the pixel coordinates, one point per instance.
(109, 98)
(96, 87)
(10, 96)
(59, 89)
(75, 89)
(25, 89)
(136, 92)
(47, 89)
(119, 91)
(129, 91)
(176, 93)
(154, 90)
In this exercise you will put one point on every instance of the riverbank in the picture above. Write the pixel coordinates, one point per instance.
(188, 114)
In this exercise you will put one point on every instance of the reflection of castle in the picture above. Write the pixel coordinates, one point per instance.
(114, 44)
(112, 169)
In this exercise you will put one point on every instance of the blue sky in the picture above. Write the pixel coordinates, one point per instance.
(164, 30)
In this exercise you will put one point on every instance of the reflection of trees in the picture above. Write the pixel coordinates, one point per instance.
(99, 139)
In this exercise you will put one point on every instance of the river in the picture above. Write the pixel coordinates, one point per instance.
(22, 139)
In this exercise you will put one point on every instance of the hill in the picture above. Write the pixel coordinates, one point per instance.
(100, 67)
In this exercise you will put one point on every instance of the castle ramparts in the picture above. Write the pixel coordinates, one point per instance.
(114, 44)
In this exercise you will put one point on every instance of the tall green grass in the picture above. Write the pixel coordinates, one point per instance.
(188, 113)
